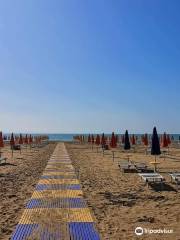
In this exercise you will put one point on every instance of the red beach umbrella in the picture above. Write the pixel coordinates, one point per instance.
(113, 143)
(1, 140)
(103, 140)
(20, 139)
(133, 140)
(26, 139)
(98, 141)
(146, 140)
(30, 139)
(164, 141)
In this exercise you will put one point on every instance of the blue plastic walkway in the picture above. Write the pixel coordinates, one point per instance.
(57, 209)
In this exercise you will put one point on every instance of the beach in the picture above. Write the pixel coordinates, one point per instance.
(18, 179)
(120, 202)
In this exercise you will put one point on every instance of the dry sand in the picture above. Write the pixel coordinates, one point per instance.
(120, 202)
(18, 179)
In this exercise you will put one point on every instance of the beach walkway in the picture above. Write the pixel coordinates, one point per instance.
(57, 209)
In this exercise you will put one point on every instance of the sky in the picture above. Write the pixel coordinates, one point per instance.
(80, 66)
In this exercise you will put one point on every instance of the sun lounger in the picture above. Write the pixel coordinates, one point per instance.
(175, 177)
(3, 159)
(16, 147)
(152, 178)
(127, 167)
(143, 168)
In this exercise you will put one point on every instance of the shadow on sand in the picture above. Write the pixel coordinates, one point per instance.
(162, 187)
(9, 164)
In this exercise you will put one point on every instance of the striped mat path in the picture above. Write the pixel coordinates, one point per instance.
(57, 209)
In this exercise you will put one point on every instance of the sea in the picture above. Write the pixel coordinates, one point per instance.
(69, 137)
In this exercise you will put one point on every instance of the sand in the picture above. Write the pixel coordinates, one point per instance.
(120, 202)
(18, 179)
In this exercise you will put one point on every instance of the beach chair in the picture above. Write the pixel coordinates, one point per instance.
(175, 177)
(152, 178)
(143, 168)
(16, 147)
(3, 159)
(127, 167)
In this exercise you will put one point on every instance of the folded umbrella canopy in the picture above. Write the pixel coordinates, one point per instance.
(145, 139)
(1, 140)
(89, 138)
(26, 139)
(103, 140)
(127, 145)
(168, 139)
(20, 139)
(98, 141)
(164, 141)
(30, 139)
(92, 139)
(155, 147)
(133, 140)
(113, 143)
(12, 142)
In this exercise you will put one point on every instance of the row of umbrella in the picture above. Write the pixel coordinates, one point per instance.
(165, 140)
(22, 139)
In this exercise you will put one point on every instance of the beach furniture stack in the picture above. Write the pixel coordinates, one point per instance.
(57, 209)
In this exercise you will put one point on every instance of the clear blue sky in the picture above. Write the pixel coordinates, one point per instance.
(89, 65)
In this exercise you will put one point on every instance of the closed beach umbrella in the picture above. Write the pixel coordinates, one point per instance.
(127, 145)
(89, 138)
(103, 140)
(146, 140)
(117, 139)
(164, 141)
(20, 139)
(98, 141)
(30, 139)
(26, 139)
(133, 140)
(113, 143)
(92, 139)
(12, 142)
(1, 140)
(168, 139)
(155, 147)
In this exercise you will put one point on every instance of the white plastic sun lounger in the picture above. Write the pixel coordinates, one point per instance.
(175, 177)
(127, 167)
(152, 177)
